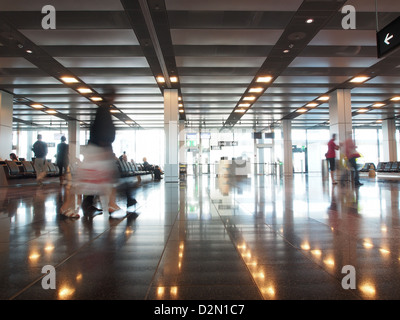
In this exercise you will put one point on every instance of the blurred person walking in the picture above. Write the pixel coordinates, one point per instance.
(351, 153)
(331, 157)
(40, 150)
(62, 159)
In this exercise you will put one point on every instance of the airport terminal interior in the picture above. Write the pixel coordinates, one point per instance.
(235, 101)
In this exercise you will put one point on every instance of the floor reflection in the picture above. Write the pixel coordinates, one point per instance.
(259, 237)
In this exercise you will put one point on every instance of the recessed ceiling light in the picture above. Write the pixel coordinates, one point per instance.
(28, 51)
(395, 99)
(311, 20)
(264, 79)
(179, 98)
(84, 90)
(378, 105)
(323, 98)
(256, 89)
(51, 111)
(249, 98)
(378, 121)
(69, 80)
(114, 110)
(96, 98)
(173, 79)
(160, 79)
(240, 110)
(37, 106)
(286, 51)
(302, 110)
(181, 110)
(362, 110)
(244, 105)
(312, 104)
(359, 79)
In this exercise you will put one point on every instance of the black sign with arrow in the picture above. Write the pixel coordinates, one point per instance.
(388, 38)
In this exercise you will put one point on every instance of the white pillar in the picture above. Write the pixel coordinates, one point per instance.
(171, 130)
(389, 140)
(73, 140)
(6, 121)
(340, 114)
(287, 148)
(182, 142)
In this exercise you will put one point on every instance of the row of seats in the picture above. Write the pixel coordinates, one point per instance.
(25, 169)
(128, 169)
(392, 166)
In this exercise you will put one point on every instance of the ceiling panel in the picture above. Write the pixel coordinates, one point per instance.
(217, 49)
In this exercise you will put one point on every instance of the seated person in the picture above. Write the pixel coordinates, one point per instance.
(157, 173)
(13, 157)
(147, 166)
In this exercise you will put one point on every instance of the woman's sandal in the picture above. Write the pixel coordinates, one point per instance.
(112, 209)
(70, 213)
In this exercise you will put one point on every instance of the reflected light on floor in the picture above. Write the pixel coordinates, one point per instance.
(65, 292)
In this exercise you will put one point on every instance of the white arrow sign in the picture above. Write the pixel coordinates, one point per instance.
(388, 38)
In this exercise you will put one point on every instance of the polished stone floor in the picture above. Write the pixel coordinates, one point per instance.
(209, 238)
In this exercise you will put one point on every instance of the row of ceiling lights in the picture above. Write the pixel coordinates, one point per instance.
(358, 80)
(82, 90)
(247, 100)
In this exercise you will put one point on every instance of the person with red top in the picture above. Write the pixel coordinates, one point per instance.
(331, 156)
(352, 154)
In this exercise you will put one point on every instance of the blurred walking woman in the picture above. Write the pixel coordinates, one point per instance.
(331, 157)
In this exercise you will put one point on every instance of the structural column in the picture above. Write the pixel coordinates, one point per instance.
(340, 114)
(73, 140)
(182, 142)
(171, 131)
(389, 140)
(287, 147)
(6, 121)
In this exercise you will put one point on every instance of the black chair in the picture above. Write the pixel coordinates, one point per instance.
(14, 171)
(29, 170)
(381, 166)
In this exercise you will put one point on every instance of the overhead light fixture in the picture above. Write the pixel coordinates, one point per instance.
(28, 51)
(264, 79)
(323, 98)
(378, 105)
(362, 110)
(180, 105)
(395, 99)
(245, 105)
(378, 121)
(37, 106)
(129, 121)
(181, 110)
(114, 110)
(69, 80)
(256, 89)
(286, 51)
(96, 98)
(173, 79)
(250, 98)
(51, 111)
(179, 98)
(311, 20)
(84, 90)
(359, 79)
(240, 110)
(312, 104)
(160, 79)
(302, 110)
